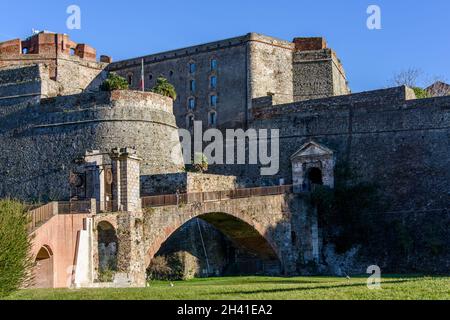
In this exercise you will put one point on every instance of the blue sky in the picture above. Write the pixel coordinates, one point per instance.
(414, 33)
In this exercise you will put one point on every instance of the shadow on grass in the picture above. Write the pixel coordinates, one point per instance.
(251, 292)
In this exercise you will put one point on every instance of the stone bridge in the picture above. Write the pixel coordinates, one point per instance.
(260, 224)
(75, 242)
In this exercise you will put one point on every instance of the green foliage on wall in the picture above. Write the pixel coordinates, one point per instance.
(15, 246)
(165, 88)
(421, 93)
(114, 82)
(346, 212)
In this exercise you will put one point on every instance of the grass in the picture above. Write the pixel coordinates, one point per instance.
(260, 288)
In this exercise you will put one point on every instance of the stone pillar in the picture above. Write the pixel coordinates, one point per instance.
(126, 171)
(95, 184)
(131, 256)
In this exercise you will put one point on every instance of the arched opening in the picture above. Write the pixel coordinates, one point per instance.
(314, 177)
(107, 251)
(43, 268)
(215, 244)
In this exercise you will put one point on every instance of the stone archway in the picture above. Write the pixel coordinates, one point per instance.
(107, 246)
(219, 244)
(259, 224)
(43, 268)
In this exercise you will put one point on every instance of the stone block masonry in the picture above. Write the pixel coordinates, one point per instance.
(245, 68)
(53, 133)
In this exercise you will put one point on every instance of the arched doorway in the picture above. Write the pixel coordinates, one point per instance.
(217, 244)
(107, 243)
(314, 177)
(43, 268)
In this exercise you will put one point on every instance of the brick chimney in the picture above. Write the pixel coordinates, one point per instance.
(310, 44)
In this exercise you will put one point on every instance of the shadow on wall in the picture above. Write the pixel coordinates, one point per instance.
(218, 244)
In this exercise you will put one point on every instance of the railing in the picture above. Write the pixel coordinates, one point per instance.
(41, 215)
(69, 207)
(184, 198)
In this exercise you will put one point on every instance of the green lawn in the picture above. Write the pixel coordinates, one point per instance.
(241, 288)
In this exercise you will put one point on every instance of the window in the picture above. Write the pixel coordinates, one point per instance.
(212, 118)
(25, 51)
(191, 103)
(192, 85)
(150, 77)
(213, 64)
(171, 73)
(190, 121)
(213, 82)
(213, 100)
(192, 67)
(72, 51)
(130, 79)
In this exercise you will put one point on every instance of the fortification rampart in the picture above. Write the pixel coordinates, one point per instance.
(400, 144)
(41, 140)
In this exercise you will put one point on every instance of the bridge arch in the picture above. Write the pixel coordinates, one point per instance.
(260, 255)
(240, 220)
(43, 269)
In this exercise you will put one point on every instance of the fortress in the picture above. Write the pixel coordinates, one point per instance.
(102, 161)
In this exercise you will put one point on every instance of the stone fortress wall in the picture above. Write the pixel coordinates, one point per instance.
(248, 67)
(387, 136)
(41, 137)
(49, 117)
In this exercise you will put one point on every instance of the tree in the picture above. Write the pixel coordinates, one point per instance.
(408, 77)
(165, 88)
(114, 82)
(15, 246)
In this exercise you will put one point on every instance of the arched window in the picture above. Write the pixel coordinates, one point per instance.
(190, 121)
(213, 100)
(213, 82)
(25, 51)
(192, 85)
(212, 118)
(213, 64)
(72, 51)
(191, 103)
(192, 67)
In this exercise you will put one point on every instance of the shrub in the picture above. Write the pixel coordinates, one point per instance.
(106, 275)
(421, 93)
(114, 82)
(15, 246)
(165, 88)
(159, 269)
